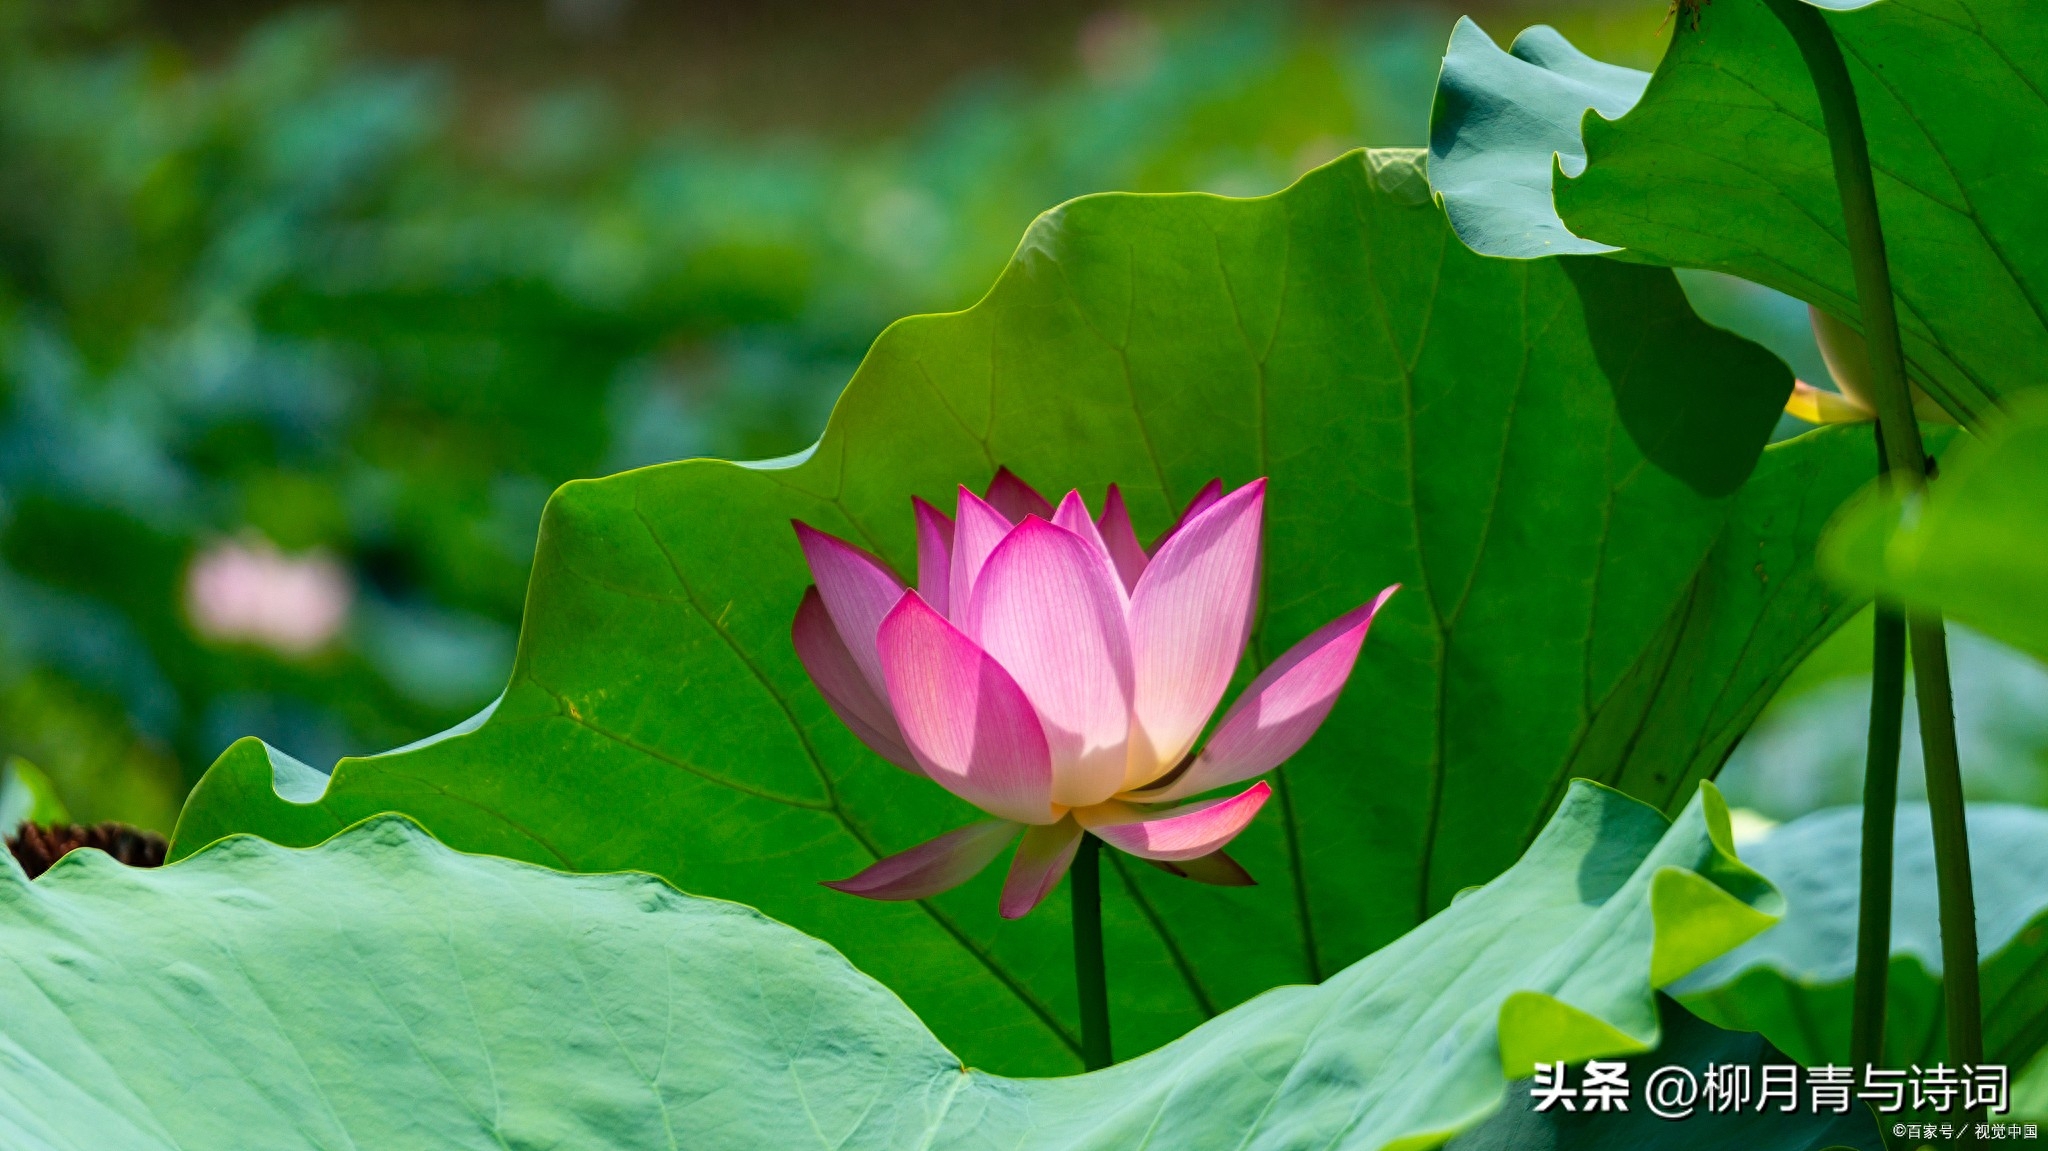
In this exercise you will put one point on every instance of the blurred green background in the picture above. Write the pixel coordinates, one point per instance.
(304, 311)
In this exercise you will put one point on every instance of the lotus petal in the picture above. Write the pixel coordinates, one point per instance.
(1281, 709)
(1040, 861)
(1190, 615)
(840, 681)
(1216, 869)
(1121, 540)
(933, 866)
(976, 532)
(1015, 498)
(1072, 515)
(1204, 499)
(1816, 406)
(934, 554)
(858, 591)
(1183, 833)
(1048, 607)
(967, 721)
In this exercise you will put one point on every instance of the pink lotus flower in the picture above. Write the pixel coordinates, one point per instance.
(1055, 674)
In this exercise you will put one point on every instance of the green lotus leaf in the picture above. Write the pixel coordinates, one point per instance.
(1723, 164)
(1606, 575)
(1976, 546)
(383, 990)
(1501, 124)
(1794, 983)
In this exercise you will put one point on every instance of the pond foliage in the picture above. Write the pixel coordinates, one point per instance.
(592, 913)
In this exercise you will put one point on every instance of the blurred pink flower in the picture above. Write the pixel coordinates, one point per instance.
(1056, 674)
(246, 591)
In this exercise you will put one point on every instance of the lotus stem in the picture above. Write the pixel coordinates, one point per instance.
(1880, 814)
(1880, 817)
(1090, 977)
(1907, 458)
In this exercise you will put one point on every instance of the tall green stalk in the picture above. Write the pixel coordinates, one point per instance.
(1880, 813)
(1908, 460)
(1090, 978)
(1880, 817)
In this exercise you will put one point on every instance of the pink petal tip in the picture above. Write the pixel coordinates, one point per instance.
(1042, 858)
(931, 867)
(1015, 498)
(1185, 833)
(1281, 709)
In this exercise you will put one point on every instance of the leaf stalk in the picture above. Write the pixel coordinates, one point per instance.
(1880, 815)
(1880, 818)
(1907, 458)
(1090, 977)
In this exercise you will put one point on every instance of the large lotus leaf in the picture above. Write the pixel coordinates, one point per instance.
(1794, 983)
(1549, 456)
(1976, 546)
(386, 991)
(1723, 164)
